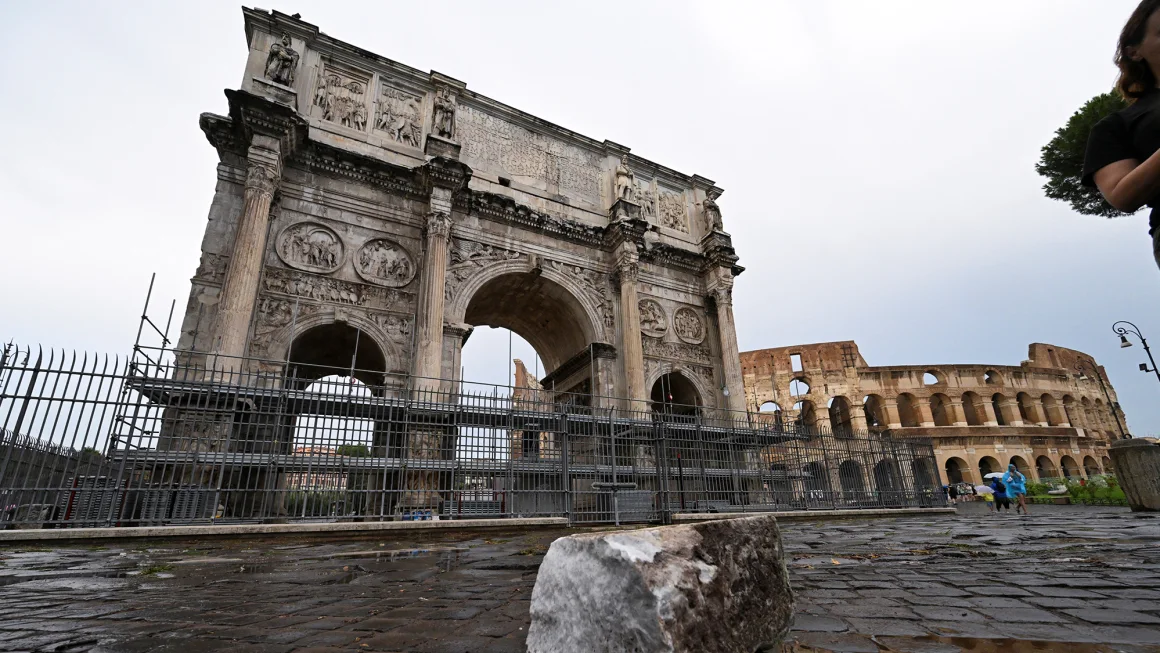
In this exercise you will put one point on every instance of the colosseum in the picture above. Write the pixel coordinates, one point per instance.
(1052, 415)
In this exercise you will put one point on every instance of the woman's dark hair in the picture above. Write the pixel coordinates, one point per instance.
(1136, 77)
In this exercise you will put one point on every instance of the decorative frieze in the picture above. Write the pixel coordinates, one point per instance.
(310, 246)
(657, 348)
(337, 291)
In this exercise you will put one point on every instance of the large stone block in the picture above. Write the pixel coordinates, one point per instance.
(1137, 463)
(714, 586)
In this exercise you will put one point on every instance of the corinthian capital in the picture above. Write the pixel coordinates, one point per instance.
(262, 177)
(723, 295)
(439, 225)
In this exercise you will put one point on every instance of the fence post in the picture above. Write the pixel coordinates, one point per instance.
(565, 472)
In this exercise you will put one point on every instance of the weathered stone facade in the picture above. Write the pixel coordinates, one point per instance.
(1049, 415)
(368, 215)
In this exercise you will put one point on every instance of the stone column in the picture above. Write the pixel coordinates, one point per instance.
(721, 287)
(240, 288)
(1010, 409)
(429, 348)
(890, 407)
(631, 346)
(958, 415)
(1038, 412)
(858, 420)
(989, 418)
(925, 416)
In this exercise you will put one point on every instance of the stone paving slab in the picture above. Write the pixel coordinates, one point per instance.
(1065, 579)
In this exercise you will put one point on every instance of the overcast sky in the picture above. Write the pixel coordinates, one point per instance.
(878, 158)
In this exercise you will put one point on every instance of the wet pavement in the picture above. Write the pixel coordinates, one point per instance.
(1066, 578)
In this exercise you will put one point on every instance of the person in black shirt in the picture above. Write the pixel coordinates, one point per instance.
(1122, 158)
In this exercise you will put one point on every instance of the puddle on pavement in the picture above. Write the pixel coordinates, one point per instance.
(952, 644)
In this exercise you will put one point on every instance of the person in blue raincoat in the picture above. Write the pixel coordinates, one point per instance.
(1016, 488)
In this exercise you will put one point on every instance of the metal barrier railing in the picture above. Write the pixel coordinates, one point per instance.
(172, 437)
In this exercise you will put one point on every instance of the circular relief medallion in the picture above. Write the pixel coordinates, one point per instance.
(385, 263)
(688, 325)
(653, 321)
(310, 246)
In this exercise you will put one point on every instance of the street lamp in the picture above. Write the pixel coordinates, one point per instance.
(1079, 367)
(1123, 332)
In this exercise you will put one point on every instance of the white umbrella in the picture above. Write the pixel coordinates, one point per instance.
(994, 475)
(983, 489)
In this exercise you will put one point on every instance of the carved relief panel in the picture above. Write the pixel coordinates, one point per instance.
(688, 325)
(469, 257)
(644, 196)
(653, 321)
(385, 262)
(340, 96)
(310, 246)
(673, 213)
(398, 113)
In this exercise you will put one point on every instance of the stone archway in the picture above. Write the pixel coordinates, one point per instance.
(548, 309)
(335, 349)
(676, 394)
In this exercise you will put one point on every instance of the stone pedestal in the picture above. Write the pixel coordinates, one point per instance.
(1137, 463)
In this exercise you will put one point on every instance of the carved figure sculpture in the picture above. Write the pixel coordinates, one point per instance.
(652, 318)
(310, 246)
(281, 62)
(642, 195)
(624, 185)
(688, 325)
(359, 117)
(444, 114)
(712, 214)
(386, 263)
(399, 117)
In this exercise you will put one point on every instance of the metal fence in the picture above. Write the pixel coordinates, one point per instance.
(164, 437)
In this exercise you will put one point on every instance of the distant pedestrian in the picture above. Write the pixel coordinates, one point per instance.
(953, 492)
(990, 499)
(1001, 500)
(1016, 488)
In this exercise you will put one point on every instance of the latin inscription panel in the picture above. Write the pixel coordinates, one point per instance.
(515, 151)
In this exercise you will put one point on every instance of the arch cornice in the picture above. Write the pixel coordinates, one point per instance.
(661, 368)
(392, 354)
(456, 310)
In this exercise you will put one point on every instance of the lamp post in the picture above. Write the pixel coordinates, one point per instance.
(1123, 332)
(1079, 367)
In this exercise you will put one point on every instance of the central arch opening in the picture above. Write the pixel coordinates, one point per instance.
(673, 394)
(539, 310)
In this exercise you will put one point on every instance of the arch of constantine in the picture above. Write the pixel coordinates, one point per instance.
(368, 215)
(1050, 415)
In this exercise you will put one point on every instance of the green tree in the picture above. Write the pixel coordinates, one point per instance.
(353, 450)
(1062, 159)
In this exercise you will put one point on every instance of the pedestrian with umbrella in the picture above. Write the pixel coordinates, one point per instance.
(1000, 490)
(988, 495)
(1016, 487)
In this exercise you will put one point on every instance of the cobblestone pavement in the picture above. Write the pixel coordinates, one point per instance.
(1067, 579)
